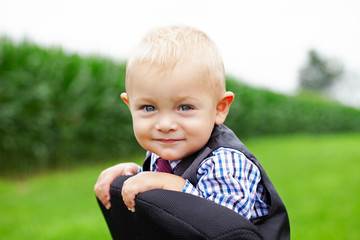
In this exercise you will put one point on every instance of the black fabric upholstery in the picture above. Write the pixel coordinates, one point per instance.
(162, 214)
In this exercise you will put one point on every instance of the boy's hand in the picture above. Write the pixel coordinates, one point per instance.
(146, 181)
(106, 177)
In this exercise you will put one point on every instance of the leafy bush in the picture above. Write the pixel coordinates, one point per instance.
(261, 112)
(57, 109)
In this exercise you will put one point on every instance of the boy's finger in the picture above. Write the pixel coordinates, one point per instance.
(128, 173)
(129, 202)
(108, 206)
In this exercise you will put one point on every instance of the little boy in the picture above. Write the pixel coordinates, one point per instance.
(175, 90)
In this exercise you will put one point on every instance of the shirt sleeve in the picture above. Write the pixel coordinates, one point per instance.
(229, 179)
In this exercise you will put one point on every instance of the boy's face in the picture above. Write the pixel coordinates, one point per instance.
(173, 112)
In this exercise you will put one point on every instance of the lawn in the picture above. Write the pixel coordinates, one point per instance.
(318, 180)
(315, 175)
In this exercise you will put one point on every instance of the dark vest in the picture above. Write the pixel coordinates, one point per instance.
(275, 225)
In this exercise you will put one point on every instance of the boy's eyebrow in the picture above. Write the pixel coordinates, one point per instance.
(177, 98)
(144, 99)
(188, 98)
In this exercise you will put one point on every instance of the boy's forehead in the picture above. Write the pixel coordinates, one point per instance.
(154, 72)
(183, 75)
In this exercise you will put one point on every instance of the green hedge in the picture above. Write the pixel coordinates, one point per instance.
(261, 112)
(57, 109)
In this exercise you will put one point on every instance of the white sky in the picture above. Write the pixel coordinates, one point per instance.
(262, 42)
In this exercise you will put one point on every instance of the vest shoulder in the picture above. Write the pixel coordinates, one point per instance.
(222, 136)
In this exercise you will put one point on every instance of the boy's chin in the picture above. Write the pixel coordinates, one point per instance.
(170, 156)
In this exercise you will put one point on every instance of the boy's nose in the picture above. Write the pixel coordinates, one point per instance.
(166, 124)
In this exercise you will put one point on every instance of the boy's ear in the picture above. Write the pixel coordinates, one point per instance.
(125, 98)
(223, 106)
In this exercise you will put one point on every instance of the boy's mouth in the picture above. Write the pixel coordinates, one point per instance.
(169, 141)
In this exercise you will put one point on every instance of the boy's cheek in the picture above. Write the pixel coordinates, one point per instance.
(140, 125)
(141, 130)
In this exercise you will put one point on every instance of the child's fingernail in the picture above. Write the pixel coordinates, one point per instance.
(108, 206)
(131, 209)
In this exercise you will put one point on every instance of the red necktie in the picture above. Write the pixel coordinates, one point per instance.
(163, 166)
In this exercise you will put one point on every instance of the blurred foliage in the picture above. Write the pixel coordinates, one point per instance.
(257, 112)
(57, 109)
(320, 73)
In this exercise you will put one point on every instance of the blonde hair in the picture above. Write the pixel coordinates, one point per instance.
(166, 46)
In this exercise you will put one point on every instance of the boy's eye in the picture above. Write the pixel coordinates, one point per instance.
(148, 108)
(185, 108)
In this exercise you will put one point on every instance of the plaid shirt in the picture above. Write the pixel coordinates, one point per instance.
(228, 178)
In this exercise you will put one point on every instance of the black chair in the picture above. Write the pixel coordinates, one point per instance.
(162, 214)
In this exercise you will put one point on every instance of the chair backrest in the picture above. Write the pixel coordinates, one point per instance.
(162, 214)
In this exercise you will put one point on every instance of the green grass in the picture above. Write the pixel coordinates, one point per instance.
(56, 205)
(316, 177)
(318, 180)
